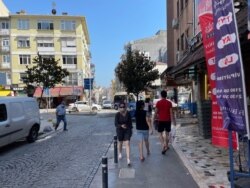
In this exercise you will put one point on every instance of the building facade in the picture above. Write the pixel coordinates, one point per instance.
(186, 59)
(153, 47)
(63, 37)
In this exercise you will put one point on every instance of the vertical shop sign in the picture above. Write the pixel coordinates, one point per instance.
(248, 20)
(230, 92)
(205, 14)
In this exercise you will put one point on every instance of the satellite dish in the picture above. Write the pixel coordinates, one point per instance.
(53, 11)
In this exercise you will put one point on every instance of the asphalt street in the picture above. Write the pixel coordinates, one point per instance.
(63, 159)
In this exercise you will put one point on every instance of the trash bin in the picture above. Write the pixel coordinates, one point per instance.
(204, 110)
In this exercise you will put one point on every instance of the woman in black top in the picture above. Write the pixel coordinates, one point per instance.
(142, 128)
(123, 123)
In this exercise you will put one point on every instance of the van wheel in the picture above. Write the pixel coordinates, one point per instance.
(116, 107)
(33, 134)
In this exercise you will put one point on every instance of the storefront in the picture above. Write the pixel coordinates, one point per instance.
(53, 96)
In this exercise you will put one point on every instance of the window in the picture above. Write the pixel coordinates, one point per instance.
(69, 59)
(44, 57)
(45, 42)
(178, 44)
(6, 58)
(24, 59)
(182, 41)
(182, 4)
(68, 43)
(187, 39)
(23, 42)
(5, 42)
(68, 25)
(72, 79)
(177, 6)
(45, 25)
(4, 25)
(23, 24)
(3, 112)
(23, 76)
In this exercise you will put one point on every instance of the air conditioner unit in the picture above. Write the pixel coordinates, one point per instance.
(179, 55)
(175, 23)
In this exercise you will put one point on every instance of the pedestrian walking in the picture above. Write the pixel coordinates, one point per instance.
(123, 124)
(164, 113)
(148, 108)
(142, 128)
(61, 116)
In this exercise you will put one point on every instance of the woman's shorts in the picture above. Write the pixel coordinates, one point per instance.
(149, 114)
(142, 134)
(124, 134)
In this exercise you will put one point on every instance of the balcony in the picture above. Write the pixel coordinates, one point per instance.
(69, 66)
(46, 49)
(4, 32)
(68, 49)
(4, 48)
(5, 65)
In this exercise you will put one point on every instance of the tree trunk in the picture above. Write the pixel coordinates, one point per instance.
(41, 97)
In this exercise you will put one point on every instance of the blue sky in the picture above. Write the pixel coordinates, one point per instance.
(111, 24)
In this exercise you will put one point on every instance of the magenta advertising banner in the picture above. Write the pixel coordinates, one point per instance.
(230, 86)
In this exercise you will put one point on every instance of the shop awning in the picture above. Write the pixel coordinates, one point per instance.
(60, 91)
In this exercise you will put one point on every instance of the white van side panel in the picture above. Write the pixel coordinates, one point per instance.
(18, 120)
(4, 125)
(17, 116)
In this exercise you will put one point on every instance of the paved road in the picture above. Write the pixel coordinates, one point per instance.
(64, 159)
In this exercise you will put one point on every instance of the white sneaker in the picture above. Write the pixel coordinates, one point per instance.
(120, 156)
(128, 162)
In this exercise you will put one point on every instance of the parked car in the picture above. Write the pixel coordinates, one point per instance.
(79, 106)
(107, 104)
(19, 118)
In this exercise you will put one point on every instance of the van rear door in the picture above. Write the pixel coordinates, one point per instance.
(4, 126)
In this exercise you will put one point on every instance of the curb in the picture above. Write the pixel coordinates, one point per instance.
(192, 171)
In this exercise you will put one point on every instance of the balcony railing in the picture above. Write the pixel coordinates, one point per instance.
(4, 32)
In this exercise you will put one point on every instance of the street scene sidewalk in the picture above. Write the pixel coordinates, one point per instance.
(206, 164)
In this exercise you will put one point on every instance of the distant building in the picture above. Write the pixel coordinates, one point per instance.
(154, 47)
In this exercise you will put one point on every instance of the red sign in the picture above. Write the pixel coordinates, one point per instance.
(219, 135)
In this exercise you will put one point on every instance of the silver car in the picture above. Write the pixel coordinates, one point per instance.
(107, 104)
(79, 106)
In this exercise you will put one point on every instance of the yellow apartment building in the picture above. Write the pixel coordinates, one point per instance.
(63, 37)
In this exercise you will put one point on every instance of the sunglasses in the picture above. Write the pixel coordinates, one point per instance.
(122, 107)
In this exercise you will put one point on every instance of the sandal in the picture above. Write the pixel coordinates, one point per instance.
(164, 150)
(142, 159)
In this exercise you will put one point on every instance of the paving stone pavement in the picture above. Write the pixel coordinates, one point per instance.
(207, 164)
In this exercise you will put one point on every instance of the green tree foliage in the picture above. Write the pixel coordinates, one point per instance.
(135, 71)
(45, 72)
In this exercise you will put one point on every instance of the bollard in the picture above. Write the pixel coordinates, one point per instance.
(115, 150)
(104, 172)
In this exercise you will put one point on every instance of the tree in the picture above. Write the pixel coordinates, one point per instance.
(135, 71)
(45, 73)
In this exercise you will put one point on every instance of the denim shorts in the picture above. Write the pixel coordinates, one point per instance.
(142, 134)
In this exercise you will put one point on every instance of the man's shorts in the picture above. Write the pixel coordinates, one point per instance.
(164, 126)
(142, 134)
(123, 134)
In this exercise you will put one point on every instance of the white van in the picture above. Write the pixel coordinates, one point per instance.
(19, 118)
